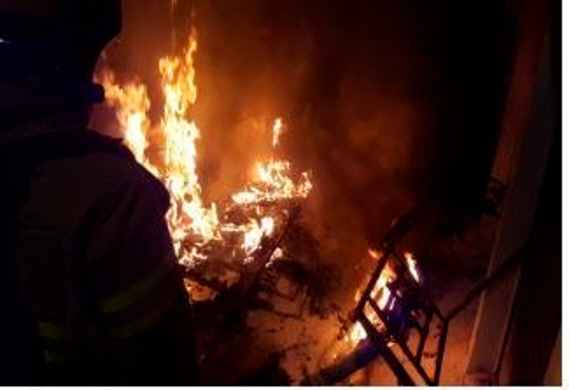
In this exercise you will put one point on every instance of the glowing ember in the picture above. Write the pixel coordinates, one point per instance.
(256, 232)
(193, 224)
(277, 254)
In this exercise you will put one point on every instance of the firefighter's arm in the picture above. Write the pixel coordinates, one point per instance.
(142, 300)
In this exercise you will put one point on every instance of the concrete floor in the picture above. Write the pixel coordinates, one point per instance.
(307, 343)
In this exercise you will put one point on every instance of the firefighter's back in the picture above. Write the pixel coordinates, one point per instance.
(95, 264)
(89, 274)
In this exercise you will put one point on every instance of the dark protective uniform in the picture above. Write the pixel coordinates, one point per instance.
(90, 289)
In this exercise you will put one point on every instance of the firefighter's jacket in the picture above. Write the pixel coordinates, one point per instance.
(94, 256)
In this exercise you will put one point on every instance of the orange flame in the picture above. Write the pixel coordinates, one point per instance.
(133, 105)
(412, 265)
(192, 223)
(277, 131)
(188, 215)
(380, 294)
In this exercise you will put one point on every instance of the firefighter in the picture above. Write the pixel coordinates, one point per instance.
(90, 292)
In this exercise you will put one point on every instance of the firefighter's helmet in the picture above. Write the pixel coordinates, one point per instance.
(75, 31)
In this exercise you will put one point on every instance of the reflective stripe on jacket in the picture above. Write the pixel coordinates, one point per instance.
(94, 254)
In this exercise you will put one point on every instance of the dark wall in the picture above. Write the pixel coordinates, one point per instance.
(537, 316)
(474, 44)
(537, 312)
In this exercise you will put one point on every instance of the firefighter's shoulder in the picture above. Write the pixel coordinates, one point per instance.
(120, 174)
(68, 187)
(116, 173)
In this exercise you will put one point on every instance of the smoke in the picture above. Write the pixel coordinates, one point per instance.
(349, 82)
(343, 87)
(356, 83)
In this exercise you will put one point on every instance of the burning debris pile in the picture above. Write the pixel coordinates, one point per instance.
(240, 245)
(237, 248)
(212, 241)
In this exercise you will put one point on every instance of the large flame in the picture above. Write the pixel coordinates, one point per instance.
(132, 103)
(192, 223)
(188, 215)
